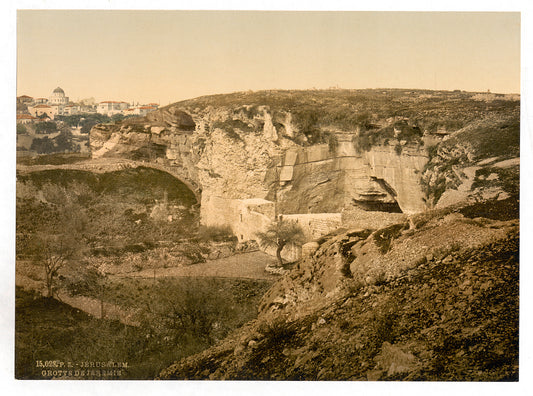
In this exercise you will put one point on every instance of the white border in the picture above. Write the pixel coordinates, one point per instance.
(7, 158)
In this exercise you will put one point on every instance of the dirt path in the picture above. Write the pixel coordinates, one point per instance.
(246, 265)
(88, 305)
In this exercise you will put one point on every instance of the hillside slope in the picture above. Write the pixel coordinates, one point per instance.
(445, 312)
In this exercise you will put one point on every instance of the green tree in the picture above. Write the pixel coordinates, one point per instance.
(117, 117)
(43, 146)
(64, 141)
(60, 243)
(46, 127)
(21, 129)
(91, 120)
(280, 234)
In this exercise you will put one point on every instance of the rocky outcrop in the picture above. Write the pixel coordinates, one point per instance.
(422, 308)
(303, 162)
(232, 156)
(477, 163)
(318, 179)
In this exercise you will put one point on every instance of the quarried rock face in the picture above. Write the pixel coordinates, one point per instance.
(399, 173)
(247, 154)
(317, 179)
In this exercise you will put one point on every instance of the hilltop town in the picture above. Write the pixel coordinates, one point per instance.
(58, 104)
(57, 124)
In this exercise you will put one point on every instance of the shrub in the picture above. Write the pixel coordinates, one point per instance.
(21, 129)
(42, 146)
(276, 332)
(333, 143)
(46, 127)
(383, 238)
(229, 126)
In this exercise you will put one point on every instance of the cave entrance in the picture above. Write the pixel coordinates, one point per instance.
(378, 206)
(372, 206)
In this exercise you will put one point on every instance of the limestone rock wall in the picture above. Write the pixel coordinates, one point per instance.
(246, 217)
(238, 154)
(401, 172)
(317, 179)
(315, 225)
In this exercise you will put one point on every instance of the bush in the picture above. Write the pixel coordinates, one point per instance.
(333, 143)
(46, 127)
(43, 146)
(21, 129)
(398, 149)
(229, 126)
(383, 238)
(276, 332)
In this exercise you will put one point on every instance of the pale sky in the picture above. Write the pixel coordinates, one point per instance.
(166, 56)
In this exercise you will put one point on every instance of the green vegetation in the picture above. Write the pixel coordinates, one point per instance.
(507, 178)
(488, 138)
(144, 184)
(505, 209)
(46, 127)
(76, 227)
(178, 317)
(61, 143)
(280, 234)
(21, 129)
(46, 329)
(86, 121)
(276, 333)
(452, 318)
(359, 110)
(112, 211)
(229, 126)
(53, 252)
(43, 145)
(54, 159)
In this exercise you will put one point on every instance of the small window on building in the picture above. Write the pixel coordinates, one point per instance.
(242, 237)
(241, 217)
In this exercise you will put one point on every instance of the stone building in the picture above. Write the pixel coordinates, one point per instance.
(39, 110)
(25, 119)
(110, 107)
(58, 97)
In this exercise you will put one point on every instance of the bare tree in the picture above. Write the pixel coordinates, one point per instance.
(280, 234)
(53, 252)
(60, 244)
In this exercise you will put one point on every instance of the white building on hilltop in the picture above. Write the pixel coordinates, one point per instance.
(58, 97)
(39, 110)
(110, 107)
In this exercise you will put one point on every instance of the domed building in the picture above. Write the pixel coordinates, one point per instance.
(58, 97)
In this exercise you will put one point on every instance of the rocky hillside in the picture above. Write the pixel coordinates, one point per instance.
(438, 302)
(326, 151)
(431, 296)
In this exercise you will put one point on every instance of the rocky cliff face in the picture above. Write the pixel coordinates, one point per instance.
(330, 151)
(237, 154)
